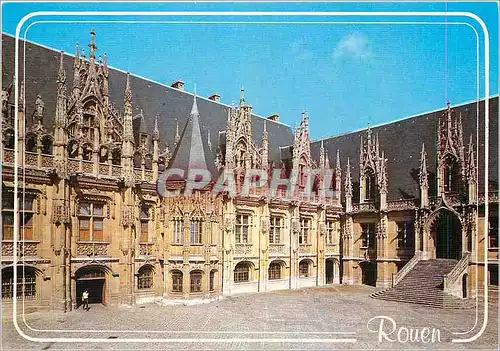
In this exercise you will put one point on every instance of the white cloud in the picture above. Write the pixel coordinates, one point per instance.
(299, 51)
(353, 45)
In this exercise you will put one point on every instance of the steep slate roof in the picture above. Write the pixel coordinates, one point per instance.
(190, 153)
(402, 142)
(42, 65)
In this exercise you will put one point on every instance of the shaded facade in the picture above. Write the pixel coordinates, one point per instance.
(96, 142)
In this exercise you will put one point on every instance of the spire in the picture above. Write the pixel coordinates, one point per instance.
(190, 152)
(156, 132)
(76, 74)
(177, 136)
(322, 159)
(471, 162)
(337, 161)
(348, 182)
(327, 161)
(20, 101)
(209, 140)
(242, 97)
(128, 133)
(76, 61)
(92, 46)
(423, 176)
(265, 148)
(194, 108)
(383, 174)
(61, 75)
(60, 120)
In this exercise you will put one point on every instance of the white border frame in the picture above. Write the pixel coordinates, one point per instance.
(243, 13)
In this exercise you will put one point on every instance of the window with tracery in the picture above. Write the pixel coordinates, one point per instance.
(26, 215)
(91, 220)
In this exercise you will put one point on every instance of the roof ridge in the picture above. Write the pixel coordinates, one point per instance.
(144, 78)
(493, 96)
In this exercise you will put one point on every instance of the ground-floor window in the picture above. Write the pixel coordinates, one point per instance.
(304, 268)
(242, 273)
(177, 281)
(195, 282)
(26, 283)
(493, 274)
(274, 271)
(145, 278)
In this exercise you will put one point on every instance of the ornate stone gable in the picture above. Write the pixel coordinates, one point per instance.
(450, 140)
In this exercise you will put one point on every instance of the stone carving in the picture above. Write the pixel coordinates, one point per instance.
(381, 229)
(146, 249)
(23, 249)
(277, 249)
(61, 212)
(242, 249)
(92, 249)
(127, 216)
(264, 224)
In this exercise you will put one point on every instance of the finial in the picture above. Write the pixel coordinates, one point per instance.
(92, 45)
(177, 135)
(128, 91)
(156, 132)
(61, 76)
(242, 97)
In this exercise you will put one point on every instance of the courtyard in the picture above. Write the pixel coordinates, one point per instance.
(298, 319)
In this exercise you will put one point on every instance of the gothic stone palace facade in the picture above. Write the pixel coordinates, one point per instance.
(95, 140)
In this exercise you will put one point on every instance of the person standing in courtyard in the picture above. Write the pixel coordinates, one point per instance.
(85, 300)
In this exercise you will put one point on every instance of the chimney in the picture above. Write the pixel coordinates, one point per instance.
(214, 97)
(178, 84)
(274, 117)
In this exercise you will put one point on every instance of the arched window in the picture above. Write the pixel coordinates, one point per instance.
(31, 143)
(195, 231)
(274, 271)
(145, 278)
(116, 158)
(305, 268)
(176, 281)
(242, 272)
(47, 145)
(26, 282)
(451, 176)
(195, 280)
(370, 186)
(87, 152)
(137, 160)
(148, 162)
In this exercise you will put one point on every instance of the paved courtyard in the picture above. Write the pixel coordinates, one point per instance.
(336, 316)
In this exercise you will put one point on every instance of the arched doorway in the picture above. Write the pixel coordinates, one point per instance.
(92, 279)
(368, 273)
(447, 232)
(329, 271)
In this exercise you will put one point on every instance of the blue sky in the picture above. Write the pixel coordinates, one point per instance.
(347, 76)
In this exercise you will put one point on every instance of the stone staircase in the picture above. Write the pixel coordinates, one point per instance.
(424, 285)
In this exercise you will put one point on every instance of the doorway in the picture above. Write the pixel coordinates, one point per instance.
(369, 273)
(329, 272)
(92, 279)
(448, 236)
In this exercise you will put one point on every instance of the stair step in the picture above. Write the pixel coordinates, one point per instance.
(423, 285)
